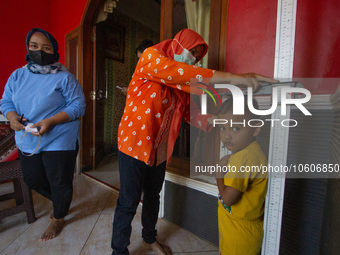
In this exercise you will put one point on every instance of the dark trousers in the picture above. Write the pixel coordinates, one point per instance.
(50, 173)
(135, 177)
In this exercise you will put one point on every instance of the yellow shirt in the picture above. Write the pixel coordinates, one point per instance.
(241, 229)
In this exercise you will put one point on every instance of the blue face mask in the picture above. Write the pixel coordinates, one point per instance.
(185, 57)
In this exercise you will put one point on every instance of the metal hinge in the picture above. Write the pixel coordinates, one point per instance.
(93, 37)
(92, 151)
(93, 95)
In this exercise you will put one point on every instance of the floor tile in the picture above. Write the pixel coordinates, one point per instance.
(11, 227)
(70, 241)
(89, 227)
(107, 172)
(88, 197)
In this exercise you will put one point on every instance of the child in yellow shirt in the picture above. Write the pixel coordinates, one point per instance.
(242, 193)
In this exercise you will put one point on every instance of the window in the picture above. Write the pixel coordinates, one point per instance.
(201, 16)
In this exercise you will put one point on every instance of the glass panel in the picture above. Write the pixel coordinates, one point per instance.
(196, 16)
(179, 17)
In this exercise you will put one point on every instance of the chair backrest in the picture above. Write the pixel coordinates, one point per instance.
(8, 148)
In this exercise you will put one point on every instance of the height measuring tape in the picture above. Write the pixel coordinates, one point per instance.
(279, 135)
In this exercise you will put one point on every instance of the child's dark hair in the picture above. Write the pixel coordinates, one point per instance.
(228, 106)
(143, 45)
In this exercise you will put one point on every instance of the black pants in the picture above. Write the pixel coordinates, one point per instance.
(50, 173)
(136, 176)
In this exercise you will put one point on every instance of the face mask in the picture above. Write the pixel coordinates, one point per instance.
(41, 58)
(186, 56)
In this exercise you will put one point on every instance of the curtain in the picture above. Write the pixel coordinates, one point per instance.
(198, 19)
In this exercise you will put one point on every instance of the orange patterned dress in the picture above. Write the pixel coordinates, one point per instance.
(150, 105)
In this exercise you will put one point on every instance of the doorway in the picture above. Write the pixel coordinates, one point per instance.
(159, 17)
(116, 33)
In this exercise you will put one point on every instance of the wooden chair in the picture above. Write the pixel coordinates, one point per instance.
(11, 170)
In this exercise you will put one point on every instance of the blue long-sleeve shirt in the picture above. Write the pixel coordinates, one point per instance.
(40, 96)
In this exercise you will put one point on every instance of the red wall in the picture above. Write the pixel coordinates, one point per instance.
(17, 19)
(251, 40)
(317, 43)
(65, 15)
(250, 43)
(251, 36)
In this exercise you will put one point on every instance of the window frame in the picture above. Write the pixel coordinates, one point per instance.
(217, 30)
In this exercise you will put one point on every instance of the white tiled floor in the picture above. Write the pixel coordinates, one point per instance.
(88, 228)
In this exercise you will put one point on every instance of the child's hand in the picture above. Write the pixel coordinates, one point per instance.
(223, 162)
(219, 175)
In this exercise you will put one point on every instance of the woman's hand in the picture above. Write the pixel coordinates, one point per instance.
(14, 121)
(124, 90)
(44, 126)
(211, 119)
(252, 80)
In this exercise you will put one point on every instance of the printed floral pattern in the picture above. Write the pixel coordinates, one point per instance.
(149, 97)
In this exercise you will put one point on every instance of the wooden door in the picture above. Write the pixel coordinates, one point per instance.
(99, 150)
(73, 60)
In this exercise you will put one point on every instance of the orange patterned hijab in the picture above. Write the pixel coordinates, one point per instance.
(187, 38)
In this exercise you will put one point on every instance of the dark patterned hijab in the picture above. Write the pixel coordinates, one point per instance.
(53, 41)
(46, 69)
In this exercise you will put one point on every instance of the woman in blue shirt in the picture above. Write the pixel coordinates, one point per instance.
(44, 93)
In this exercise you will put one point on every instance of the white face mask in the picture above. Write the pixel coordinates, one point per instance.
(186, 56)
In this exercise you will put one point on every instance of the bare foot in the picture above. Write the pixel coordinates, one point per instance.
(50, 217)
(159, 248)
(53, 229)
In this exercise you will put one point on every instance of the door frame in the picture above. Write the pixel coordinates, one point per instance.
(73, 46)
(88, 128)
